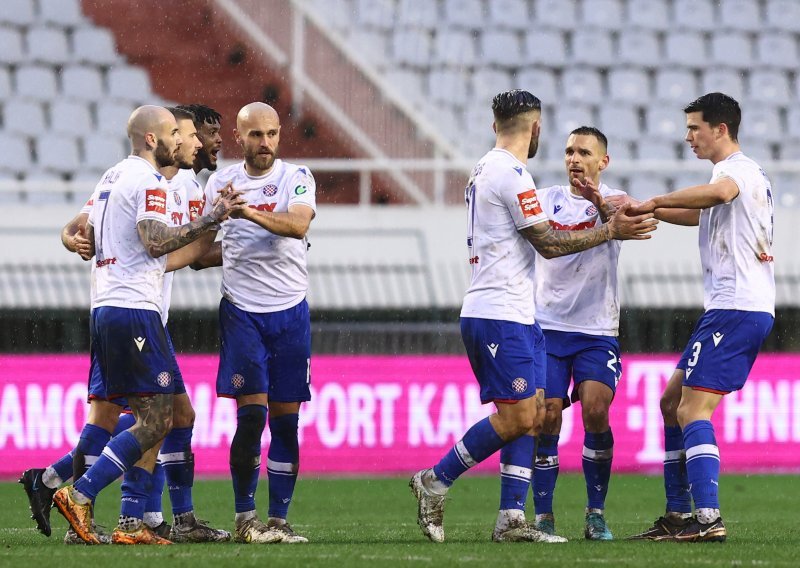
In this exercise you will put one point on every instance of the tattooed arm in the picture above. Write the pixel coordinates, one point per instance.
(621, 226)
(160, 239)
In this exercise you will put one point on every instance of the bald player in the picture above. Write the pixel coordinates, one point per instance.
(132, 236)
(265, 327)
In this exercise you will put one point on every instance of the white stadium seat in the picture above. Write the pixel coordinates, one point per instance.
(619, 121)
(412, 47)
(18, 12)
(486, 83)
(101, 151)
(83, 83)
(129, 83)
(648, 15)
(761, 123)
(644, 185)
(606, 14)
(509, 14)
(725, 81)
(592, 47)
(654, 149)
(70, 118)
(23, 116)
(545, 47)
(694, 15)
(412, 13)
(778, 50)
(16, 153)
(639, 47)
(742, 15)
(64, 13)
(94, 45)
(582, 84)
(629, 85)
(375, 13)
(467, 14)
(555, 14)
(455, 47)
(539, 81)
(687, 49)
(783, 15)
(112, 117)
(665, 122)
(448, 86)
(407, 81)
(769, 86)
(57, 153)
(677, 86)
(36, 82)
(569, 117)
(13, 51)
(500, 47)
(731, 49)
(47, 45)
(5, 83)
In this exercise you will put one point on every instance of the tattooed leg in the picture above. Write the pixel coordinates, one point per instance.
(153, 418)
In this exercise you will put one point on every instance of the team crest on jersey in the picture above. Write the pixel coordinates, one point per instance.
(164, 379)
(176, 197)
(237, 381)
(591, 211)
(519, 385)
(269, 190)
(529, 203)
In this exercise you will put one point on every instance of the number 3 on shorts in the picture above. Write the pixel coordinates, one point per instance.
(695, 354)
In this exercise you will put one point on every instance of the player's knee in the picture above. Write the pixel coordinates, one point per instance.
(183, 416)
(246, 446)
(552, 417)
(595, 415)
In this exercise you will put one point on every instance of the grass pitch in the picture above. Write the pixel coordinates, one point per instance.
(372, 522)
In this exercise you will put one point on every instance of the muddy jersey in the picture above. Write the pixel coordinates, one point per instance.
(501, 200)
(736, 241)
(261, 271)
(577, 292)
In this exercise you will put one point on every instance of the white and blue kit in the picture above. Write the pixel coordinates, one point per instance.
(577, 299)
(738, 281)
(503, 341)
(128, 338)
(265, 326)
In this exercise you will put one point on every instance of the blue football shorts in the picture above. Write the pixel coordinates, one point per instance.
(265, 353)
(723, 348)
(131, 354)
(577, 357)
(508, 358)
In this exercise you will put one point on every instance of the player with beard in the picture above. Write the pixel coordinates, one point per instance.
(265, 327)
(130, 230)
(504, 343)
(184, 202)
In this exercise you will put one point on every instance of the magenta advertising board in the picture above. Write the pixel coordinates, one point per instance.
(385, 414)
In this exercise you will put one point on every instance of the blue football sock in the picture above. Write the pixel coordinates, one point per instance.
(676, 482)
(63, 467)
(478, 443)
(154, 498)
(598, 452)
(137, 484)
(92, 441)
(245, 457)
(516, 461)
(118, 456)
(283, 463)
(545, 473)
(126, 420)
(702, 463)
(178, 460)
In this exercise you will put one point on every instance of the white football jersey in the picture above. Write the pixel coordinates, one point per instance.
(577, 292)
(501, 199)
(124, 274)
(736, 241)
(261, 271)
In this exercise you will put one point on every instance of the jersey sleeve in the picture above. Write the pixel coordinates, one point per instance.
(303, 189)
(728, 170)
(518, 194)
(151, 201)
(90, 208)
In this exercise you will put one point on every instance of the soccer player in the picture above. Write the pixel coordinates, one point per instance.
(577, 306)
(185, 201)
(131, 234)
(504, 343)
(265, 327)
(734, 211)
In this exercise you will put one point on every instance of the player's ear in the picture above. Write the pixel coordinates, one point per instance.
(237, 137)
(604, 162)
(494, 127)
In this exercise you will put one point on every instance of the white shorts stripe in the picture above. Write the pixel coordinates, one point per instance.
(708, 450)
(516, 471)
(464, 455)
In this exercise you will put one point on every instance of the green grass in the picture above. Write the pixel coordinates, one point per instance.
(371, 522)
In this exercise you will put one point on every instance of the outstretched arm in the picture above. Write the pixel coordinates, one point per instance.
(293, 223)
(683, 206)
(191, 253)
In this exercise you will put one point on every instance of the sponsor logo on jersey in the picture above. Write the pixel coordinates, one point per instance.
(529, 203)
(492, 347)
(575, 227)
(556, 209)
(105, 262)
(300, 190)
(264, 207)
(717, 337)
(176, 197)
(269, 190)
(519, 385)
(518, 170)
(139, 341)
(474, 259)
(195, 208)
(764, 257)
(155, 200)
(177, 218)
(164, 379)
(104, 195)
(591, 211)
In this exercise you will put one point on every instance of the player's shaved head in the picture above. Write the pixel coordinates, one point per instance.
(254, 112)
(153, 132)
(148, 118)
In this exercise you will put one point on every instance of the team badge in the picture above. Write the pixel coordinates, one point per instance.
(519, 385)
(164, 379)
(269, 190)
(591, 211)
(237, 381)
(176, 197)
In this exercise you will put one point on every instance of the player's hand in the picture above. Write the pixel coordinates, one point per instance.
(588, 190)
(227, 204)
(640, 208)
(617, 201)
(625, 225)
(81, 244)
